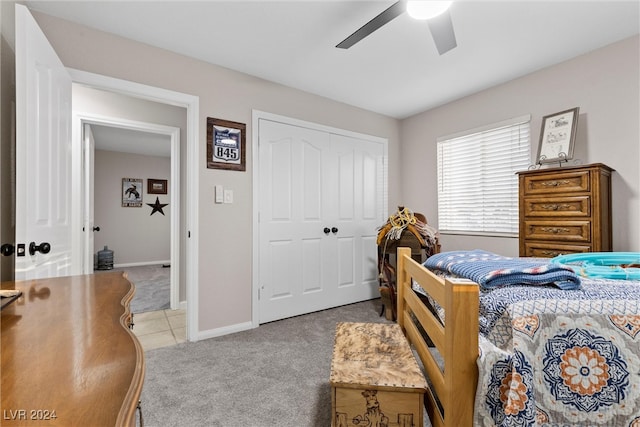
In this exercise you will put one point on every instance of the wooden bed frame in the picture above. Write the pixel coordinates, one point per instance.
(450, 399)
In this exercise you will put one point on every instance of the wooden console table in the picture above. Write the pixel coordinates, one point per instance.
(69, 357)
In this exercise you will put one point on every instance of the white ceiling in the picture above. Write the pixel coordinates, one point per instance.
(396, 71)
(111, 138)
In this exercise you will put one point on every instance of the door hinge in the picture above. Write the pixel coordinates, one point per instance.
(258, 294)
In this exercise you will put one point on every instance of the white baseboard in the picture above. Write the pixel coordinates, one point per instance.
(140, 264)
(181, 306)
(218, 332)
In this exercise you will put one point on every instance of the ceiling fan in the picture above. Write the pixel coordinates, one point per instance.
(440, 26)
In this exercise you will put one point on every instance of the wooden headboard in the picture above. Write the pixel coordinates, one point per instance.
(450, 398)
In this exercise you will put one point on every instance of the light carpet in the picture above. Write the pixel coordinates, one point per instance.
(153, 287)
(274, 375)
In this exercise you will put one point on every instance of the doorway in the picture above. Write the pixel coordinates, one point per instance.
(149, 145)
(189, 219)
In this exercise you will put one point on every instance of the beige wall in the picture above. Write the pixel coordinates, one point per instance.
(134, 235)
(605, 84)
(114, 105)
(225, 233)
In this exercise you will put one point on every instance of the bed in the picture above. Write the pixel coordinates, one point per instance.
(523, 355)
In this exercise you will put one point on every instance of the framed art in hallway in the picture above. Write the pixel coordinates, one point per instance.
(226, 144)
(156, 186)
(131, 192)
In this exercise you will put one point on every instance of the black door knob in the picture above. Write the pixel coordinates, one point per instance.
(43, 248)
(334, 230)
(326, 230)
(7, 249)
(96, 228)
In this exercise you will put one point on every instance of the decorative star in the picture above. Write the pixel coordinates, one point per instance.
(157, 206)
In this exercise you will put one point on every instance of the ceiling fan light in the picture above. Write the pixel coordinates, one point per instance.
(426, 9)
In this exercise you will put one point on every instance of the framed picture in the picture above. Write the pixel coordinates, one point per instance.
(557, 136)
(226, 145)
(131, 192)
(156, 186)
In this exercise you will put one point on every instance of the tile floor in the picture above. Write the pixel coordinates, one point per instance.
(161, 328)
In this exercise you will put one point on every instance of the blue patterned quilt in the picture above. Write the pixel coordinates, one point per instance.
(490, 270)
(552, 357)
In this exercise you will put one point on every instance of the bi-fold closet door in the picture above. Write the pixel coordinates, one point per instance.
(322, 195)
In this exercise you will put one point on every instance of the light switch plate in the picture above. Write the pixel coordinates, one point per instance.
(219, 196)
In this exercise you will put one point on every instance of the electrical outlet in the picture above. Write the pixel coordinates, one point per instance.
(228, 196)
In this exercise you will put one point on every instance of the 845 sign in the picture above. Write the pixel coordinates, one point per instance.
(227, 154)
(225, 144)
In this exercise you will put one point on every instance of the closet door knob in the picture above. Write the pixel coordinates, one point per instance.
(326, 230)
(334, 230)
(43, 248)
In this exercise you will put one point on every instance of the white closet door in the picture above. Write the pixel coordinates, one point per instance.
(320, 201)
(293, 250)
(357, 182)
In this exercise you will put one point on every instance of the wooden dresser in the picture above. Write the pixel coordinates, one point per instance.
(69, 357)
(565, 210)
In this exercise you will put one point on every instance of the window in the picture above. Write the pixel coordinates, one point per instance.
(477, 181)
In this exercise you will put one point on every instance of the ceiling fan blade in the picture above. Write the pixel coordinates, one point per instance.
(442, 32)
(383, 18)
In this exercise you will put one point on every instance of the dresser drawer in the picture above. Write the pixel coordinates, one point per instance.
(551, 250)
(558, 206)
(560, 182)
(566, 231)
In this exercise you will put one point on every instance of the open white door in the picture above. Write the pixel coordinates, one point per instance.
(43, 156)
(88, 148)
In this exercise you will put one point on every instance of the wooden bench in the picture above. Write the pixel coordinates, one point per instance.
(375, 378)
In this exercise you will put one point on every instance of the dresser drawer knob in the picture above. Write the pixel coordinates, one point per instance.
(551, 254)
(556, 207)
(555, 230)
(555, 183)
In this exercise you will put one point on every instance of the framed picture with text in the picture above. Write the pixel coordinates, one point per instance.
(226, 145)
(557, 136)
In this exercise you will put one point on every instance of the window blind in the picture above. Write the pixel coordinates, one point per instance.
(477, 181)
